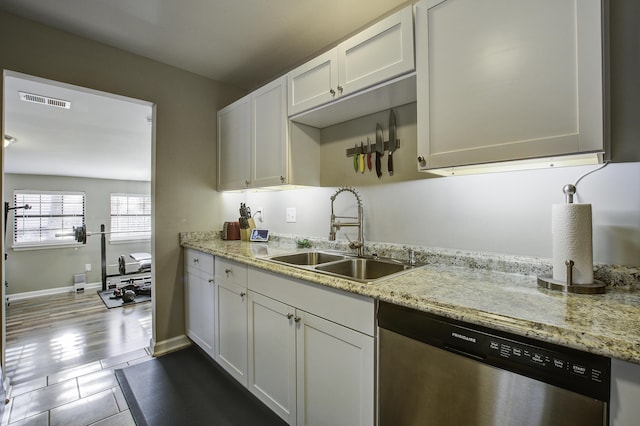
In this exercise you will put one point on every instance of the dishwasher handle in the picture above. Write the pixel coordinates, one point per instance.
(468, 354)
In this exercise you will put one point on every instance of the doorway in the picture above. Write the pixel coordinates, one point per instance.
(64, 139)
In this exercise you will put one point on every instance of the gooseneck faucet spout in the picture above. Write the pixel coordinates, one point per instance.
(359, 222)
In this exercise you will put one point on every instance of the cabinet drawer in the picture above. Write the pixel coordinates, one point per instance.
(197, 260)
(352, 310)
(229, 272)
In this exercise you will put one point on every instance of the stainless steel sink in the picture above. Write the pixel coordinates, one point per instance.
(310, 258)
(364, 270)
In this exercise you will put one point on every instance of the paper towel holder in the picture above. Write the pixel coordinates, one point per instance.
(596, 287)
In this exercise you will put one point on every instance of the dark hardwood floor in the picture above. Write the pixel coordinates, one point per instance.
(47, 334)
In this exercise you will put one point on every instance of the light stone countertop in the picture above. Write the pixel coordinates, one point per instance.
(606, 324)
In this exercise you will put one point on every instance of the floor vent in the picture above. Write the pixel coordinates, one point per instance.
(44, 100)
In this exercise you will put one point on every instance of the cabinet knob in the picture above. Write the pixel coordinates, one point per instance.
(297, 319)
(282, 179)
(422, 161)
(210, 280)
(246, 183)
(242, 294)
(333, 92)
(196, 260)
(227, 271)
(340, 89)
(289, 316)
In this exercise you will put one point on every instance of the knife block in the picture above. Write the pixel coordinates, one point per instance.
(245, 234)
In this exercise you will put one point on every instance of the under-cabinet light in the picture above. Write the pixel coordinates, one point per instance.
(516, 165)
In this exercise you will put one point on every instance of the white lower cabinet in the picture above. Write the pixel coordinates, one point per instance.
(272, 355)
(199, 299)
(231, 318)
(335, 373)
(310, 369)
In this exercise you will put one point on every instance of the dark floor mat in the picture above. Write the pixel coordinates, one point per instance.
(111, 302)
(188, 388)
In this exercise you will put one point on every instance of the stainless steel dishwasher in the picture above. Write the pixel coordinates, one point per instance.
(438, 371)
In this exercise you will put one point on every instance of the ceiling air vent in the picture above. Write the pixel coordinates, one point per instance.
(44, 100)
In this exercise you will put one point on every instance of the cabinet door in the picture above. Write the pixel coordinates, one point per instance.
(379, 53)
(270, 142)
(234, 144)
(335, 374)
(231, 326)
(199, 307)
(313, 83)
(500, 81)
(272, 362)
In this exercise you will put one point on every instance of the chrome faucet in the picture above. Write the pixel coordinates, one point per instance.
(336, 224)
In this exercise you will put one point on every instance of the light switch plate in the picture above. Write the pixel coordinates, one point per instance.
(291, 214)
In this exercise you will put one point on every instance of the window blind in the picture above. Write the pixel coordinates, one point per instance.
(51, 213)
(130, 217)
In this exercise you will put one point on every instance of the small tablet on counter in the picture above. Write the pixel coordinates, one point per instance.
(259, 234)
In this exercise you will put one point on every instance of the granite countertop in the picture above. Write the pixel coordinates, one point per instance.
(606, 324)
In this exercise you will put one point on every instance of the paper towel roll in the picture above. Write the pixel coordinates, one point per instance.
(571, 232)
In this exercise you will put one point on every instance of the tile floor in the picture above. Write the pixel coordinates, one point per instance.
(79, 396)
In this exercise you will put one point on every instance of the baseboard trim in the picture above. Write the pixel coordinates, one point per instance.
(50, 291)
(169, 345)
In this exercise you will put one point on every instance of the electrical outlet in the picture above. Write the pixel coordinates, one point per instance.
(291, 214)
(259, 214)
(87, 267)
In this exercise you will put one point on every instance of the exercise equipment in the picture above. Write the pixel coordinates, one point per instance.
(129, 296)
(80, 234)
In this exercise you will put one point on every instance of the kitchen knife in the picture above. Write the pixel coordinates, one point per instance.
(355, 158)
(361, 157)
(368, 153)
(379, 150)
(392, 140)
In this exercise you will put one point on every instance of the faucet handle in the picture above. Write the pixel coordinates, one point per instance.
(353, 244)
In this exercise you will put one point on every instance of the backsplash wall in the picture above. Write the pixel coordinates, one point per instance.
(508, 213)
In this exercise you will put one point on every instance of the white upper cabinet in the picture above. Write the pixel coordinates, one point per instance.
(374, 56)
(255, 149)
(269, 138)
(502, 80)
(234, 143)
(313, 83)
(378, 53)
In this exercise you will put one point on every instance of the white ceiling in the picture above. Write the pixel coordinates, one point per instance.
(100, 136)
(245, 43)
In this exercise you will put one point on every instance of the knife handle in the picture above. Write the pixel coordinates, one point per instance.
(355, 162)
(378, 165)
(390, 164)
(369, 161)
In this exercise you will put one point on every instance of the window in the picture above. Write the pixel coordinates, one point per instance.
(130, 217)
(50, 214)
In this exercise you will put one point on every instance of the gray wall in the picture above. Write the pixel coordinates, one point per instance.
(44, 269)
(184, 151)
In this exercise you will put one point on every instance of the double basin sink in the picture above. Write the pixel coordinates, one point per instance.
(343, 265)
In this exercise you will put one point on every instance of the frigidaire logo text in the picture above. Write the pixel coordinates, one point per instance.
(463, 337)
